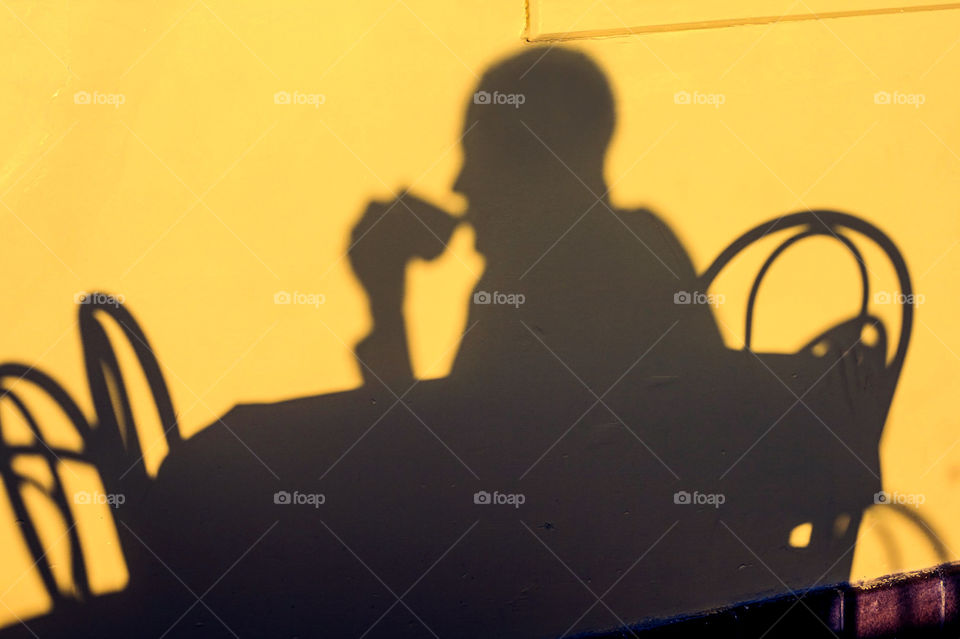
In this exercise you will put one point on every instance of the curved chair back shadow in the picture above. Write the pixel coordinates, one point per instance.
(841, 353)
(110, 443)
(119, 453)
(12, 375)
(922, 526)
(830, 224)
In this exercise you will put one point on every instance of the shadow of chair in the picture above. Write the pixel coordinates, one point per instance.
(802, 472)
(835, 473)
(111, 444)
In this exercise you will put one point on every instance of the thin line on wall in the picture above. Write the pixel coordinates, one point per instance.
(718, 24)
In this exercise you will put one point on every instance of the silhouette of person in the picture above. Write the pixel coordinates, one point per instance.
(576, 292)
(561, 261)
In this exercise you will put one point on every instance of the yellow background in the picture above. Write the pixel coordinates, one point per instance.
(199, 198)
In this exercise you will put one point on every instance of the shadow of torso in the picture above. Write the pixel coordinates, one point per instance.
(592, 403)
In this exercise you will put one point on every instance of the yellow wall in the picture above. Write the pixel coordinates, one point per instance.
(199, 198)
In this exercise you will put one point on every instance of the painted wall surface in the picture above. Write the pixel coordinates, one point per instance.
(145, 154)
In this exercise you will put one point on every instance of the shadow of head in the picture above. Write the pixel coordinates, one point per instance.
(536, 132)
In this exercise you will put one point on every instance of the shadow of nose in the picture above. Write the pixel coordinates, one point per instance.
(461, 184)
